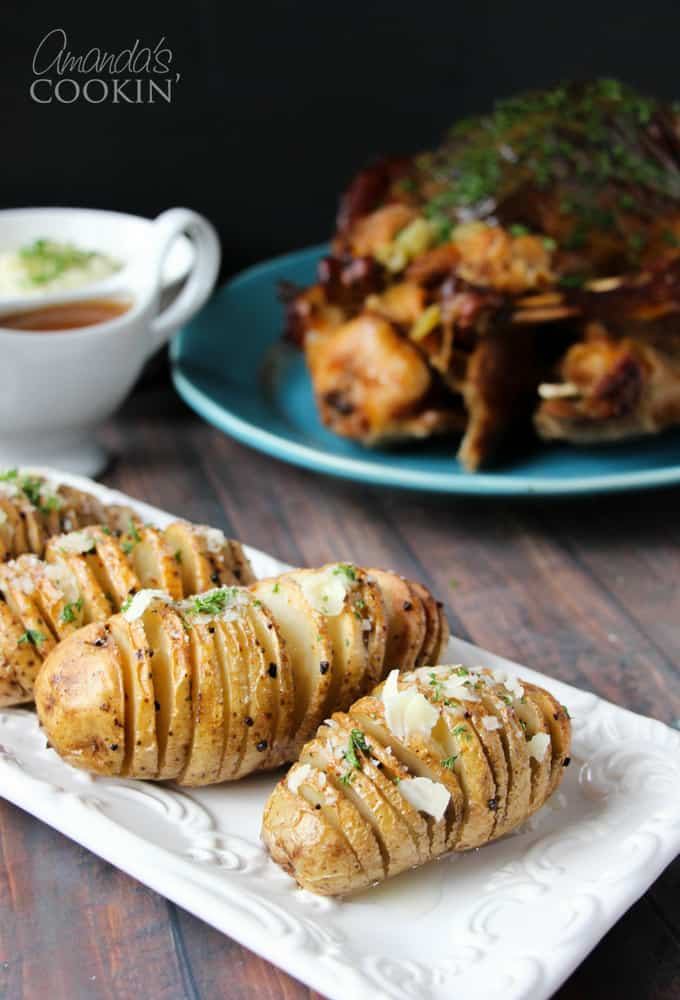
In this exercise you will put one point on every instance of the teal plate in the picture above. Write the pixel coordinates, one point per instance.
(231, 366)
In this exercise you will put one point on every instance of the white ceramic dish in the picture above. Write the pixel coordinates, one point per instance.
(509, 921)
(57, 387)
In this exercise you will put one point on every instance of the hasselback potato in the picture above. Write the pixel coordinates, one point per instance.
(88, 574)
(32, 510)
(235, 680)
(440, 759)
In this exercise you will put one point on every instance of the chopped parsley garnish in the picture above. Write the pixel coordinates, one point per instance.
(127, 602)
(45, 260)
(345, 569)
(276, 588)
(566, 711)
(178, 557)
(9, 475)
(518, 230)
(33, 636)
(462, 731)
(71, 611)
(133, 539)
(356, 744)
(437, 685)
(214, 602)
(448, 762)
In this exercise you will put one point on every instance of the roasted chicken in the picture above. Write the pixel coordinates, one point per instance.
(529, 267)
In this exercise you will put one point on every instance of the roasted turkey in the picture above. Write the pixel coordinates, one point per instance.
(525, 271)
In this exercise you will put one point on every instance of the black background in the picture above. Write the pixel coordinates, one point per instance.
(279, 102)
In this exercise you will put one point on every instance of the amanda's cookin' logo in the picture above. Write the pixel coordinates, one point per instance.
(139, 75)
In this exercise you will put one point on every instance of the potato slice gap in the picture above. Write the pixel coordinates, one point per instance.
(532, 721)
(260, 690)
(559, 727)
(205, 556)
(83, 507)
(350, 663)
(112, 569)
(373, 611)
(96, 605)
(372, 766)
(497, 702)
(156, 565)
(406, 621)
(136, 666)
(80, 699)
(307, 639)
(13, 528)
(318, 790)
(391, 831)
(19, 591)
(279, 679)
(432, 628)
(230, 643)
(422, 758)
(19, 660)
(207, 744)
(167, 637)
(240, 565)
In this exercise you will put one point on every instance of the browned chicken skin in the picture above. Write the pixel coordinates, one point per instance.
(458, 279)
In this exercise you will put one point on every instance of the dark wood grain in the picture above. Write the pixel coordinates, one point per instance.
(587, 591)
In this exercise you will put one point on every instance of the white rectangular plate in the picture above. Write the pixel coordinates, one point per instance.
(511, 920)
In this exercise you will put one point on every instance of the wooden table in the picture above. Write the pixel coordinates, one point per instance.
(586, 590)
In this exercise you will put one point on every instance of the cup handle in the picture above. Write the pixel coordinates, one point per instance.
(201, 281)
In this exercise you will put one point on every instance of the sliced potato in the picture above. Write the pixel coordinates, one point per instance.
(19, 660)
(406, 621)
(559, 727)
(421, 758)
(373, 612)
(497, 702)
(96, 604)
(111, 567)
(19, 591)
(391, 831)
(372, 766)
(320, 792)
(432, 625)
(141, 708)
(532, 721)
(349, 656)
(156, 565)
(260, 695)
(208, 731)
(307, 639)
(230, 643)
(168, 639)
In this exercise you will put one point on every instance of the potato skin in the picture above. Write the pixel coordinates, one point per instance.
(293, 831)
(343, 757)
(81, 702)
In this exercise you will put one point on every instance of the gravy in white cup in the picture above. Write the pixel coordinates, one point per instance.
(67, 316)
